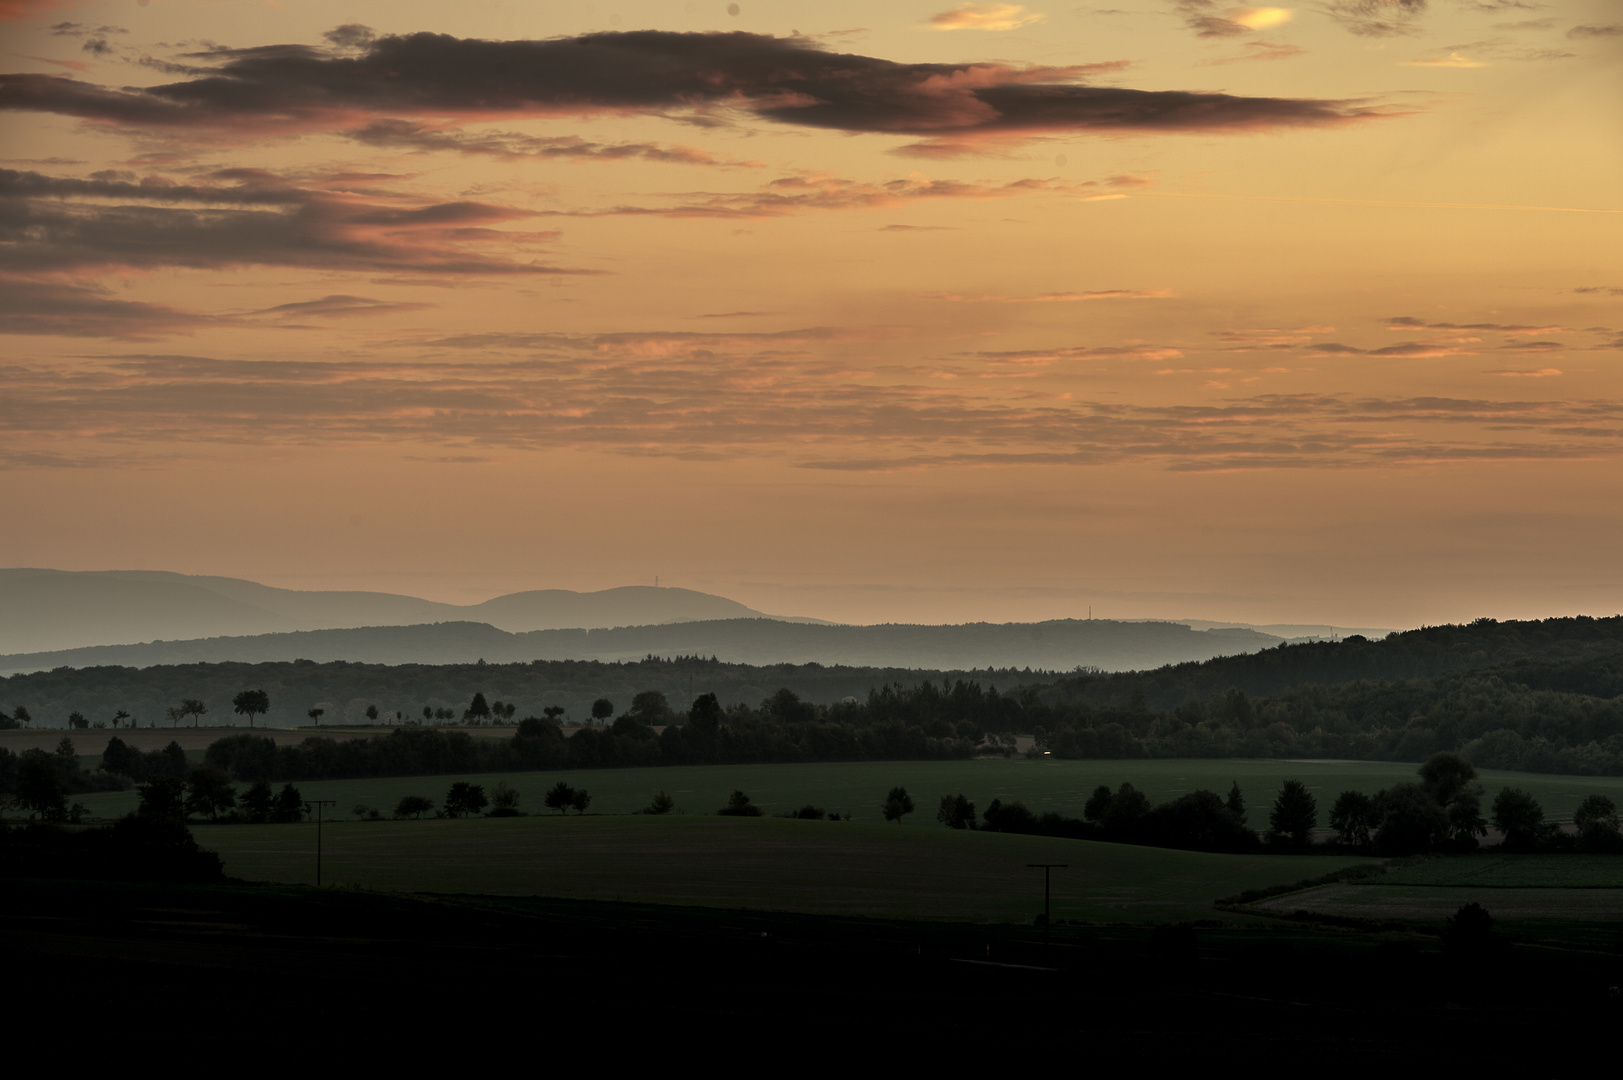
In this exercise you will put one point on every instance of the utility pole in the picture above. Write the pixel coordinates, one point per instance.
(1048, 869)
(318, 804)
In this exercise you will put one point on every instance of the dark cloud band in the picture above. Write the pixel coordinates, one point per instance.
(785, 80)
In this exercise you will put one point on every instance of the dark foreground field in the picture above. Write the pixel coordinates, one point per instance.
(765, 864)
(338, 979)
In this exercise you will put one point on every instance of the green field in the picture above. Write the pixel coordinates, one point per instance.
(1514, 872)
(764, 864)
(859, 788)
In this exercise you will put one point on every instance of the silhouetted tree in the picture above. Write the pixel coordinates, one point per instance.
(251, 703)
(315, 716)
(650, 707)
(1410, 821)
(465, 798)
(560, 797)
(478, 710)
(41, 788)
(257, 802)
(1597, 822)
(503, 800)
(163, 797)
(413, 806)
(957, 812)
(1236, 803)
(119, 717)
(581, 801)
(193, 708)
(898, 804)
(1098, 804)
(1353, 818)
(739, 805)
(1295, 814)
(209, 791)
(602, 709)
(372, 713)
(289, 806)
(77, 721)
(1519, 816)
(662, 804)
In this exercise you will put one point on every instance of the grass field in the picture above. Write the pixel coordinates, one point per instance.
(763, 864)
(858, 789)
(1514, 871)
(1581, 915)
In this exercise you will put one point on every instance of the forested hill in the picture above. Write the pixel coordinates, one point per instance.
(1576, 654)
(344, 691)
(1056, 645)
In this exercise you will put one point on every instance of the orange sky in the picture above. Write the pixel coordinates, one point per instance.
(1173, 308)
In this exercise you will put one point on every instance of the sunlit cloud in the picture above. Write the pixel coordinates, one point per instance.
(985, 17)
(1452, 60)
(1051, 298)
(1260, 18)
(1540, 373)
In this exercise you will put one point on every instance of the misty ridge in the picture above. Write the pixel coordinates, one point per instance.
(143, 618)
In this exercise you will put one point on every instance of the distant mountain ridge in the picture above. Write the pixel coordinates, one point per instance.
(54, 610)
(1060, 645)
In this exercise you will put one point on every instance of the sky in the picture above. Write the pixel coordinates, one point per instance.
(903, 312)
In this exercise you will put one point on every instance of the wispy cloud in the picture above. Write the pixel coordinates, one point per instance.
(985, 17)
(1377, 18)
(744, 395)
(242, 217)
(1054, 297)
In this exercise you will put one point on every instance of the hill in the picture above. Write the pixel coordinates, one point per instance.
(1060, 645)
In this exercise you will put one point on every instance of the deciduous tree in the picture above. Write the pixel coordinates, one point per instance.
(414, 806)
(560, 797)
(898, 804)
(209, 791)
(1519, 816)
(1353, 818)
(465, 798)
(251, 703)
(957, 812)
(739, 805)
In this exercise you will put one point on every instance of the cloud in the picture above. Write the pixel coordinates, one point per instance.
(815, 192)
(1252, 51)
(245, 94)
(1608, 30)
(72, 309)
(422, 138)
(1452, 60)
(1405, 322)
(1377, 18)
(985, 17)
(1540, 373)
(1260, 18)
(794, 395)
(1414, 350)
(1055, 297)
(337, 305)
(242, 217)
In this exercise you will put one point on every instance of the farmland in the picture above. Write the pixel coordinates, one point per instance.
(813, 867)
(858, 788)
